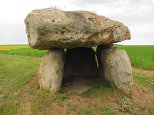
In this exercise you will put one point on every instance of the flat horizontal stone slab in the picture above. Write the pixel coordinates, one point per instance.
(53, 28)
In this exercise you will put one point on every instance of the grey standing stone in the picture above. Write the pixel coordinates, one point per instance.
(99, 50)
(117, 69)
(51, 70)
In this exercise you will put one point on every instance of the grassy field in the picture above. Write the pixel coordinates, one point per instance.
(20, 93)
(140, 56)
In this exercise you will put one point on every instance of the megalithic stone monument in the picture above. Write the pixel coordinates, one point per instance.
(77, 31)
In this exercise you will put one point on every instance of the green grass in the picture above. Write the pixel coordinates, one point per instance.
(17, 67)
(100, 90)
(145, 81)
(107, 110)
(15, 72)
(85, 111)
(25, 52)
(140, 56)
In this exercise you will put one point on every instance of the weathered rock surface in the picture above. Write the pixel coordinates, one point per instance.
(53, 28)
(117, 69)
(51, 70)
(99, 50)
(80, 62)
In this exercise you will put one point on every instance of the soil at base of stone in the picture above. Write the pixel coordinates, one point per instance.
(80, 84)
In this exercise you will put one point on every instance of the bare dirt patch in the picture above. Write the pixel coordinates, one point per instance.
(141, 96)
(80, 84)
(25, 109)
(148, 73)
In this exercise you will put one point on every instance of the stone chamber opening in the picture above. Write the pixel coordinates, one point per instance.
(80, 68)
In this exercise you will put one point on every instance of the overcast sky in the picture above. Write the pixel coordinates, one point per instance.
(138, 15)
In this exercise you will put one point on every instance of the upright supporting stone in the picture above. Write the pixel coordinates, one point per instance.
(99, 50)
(117, 69)
(51, 70)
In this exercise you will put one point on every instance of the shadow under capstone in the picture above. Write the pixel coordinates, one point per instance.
(80, 69)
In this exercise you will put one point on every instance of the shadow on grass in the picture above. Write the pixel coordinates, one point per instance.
(98, 90)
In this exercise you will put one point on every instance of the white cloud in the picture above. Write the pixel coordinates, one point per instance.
(136, 14)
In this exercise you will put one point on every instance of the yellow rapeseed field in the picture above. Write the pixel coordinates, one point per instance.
(9, 47)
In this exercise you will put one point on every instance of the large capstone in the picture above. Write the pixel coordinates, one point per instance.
(116, 69)
(51, 70)
(53, 28)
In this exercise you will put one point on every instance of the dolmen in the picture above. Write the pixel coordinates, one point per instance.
(70, 37)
